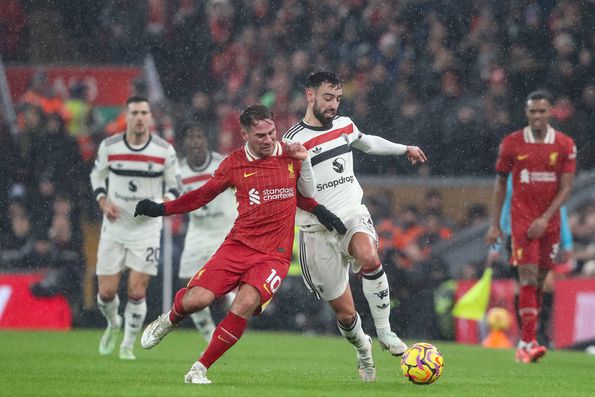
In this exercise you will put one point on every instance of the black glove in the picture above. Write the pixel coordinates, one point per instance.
(149, 208)
(328, 219)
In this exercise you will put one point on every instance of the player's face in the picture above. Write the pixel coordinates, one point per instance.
(538, 114)
(261, 137)
(195, 144)
(325, 102)
(138, 118)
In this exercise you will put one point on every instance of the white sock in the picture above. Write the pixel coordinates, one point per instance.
(109, 310)
(203, 321)
(134, 318)
(354, 334)
(376, 291)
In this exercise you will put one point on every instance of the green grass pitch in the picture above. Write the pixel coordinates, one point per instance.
(271, 364)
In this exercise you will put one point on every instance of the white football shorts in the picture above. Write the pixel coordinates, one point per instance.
(324, 256)
(114, 257)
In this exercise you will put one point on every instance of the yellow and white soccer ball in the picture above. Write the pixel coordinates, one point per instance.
(422, 363)
(499, 319)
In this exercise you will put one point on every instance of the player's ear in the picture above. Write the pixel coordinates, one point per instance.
(310, 94)
(244, 134)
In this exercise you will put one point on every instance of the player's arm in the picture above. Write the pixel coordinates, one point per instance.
(539, 225)
(324, 216)
(494, 232)
(373, 144)
(98, 177)
(189, 201)
(171, 176)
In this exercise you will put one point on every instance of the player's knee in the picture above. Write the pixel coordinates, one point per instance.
(346, 319)
(369, 261)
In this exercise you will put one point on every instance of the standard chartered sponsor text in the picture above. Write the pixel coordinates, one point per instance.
(278, 194)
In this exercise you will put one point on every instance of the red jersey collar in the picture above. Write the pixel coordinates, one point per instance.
(550, 135)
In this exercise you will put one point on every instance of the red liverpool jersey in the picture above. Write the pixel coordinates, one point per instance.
(536, 170)
(266, 192)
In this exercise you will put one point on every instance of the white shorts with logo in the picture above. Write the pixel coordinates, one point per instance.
(194, 258)
(324, 256)
(114, 256)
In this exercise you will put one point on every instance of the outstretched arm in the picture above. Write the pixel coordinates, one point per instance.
(373, 144)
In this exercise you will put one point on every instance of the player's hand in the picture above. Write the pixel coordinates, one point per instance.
(149, 208)
(297, 151)
(537, 228)
(109, 209)
(415, 155)
(328, 219)
(493, 235)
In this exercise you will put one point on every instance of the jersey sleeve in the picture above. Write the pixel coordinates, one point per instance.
(171, 175)
(306, 203)
(195, 199)
(505, 159)
(100, 173)
(569, 157)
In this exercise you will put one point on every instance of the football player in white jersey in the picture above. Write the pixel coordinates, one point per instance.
(208, 225)
(130, 166)
(325, 256)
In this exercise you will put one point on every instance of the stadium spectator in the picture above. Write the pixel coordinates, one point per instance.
(137, 164)
(542, 162)
(329, 140)
(255, 255)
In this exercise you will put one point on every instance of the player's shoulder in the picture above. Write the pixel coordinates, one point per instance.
(564, 138)
(160, 142)
(515, 136)
(114, 139)
(217, 157)
(294, 131)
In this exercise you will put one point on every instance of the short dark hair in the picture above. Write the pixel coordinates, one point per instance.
(135, 99)
(253, 114)
(190, 125)
(539, 95)
(316, 79)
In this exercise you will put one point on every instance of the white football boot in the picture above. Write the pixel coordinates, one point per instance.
(391, 342)
(197, 375)
(156, 331)
(126, 353)
(107, 343)
(365, 363)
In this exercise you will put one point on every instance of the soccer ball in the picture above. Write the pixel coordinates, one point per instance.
(499, 319)
(422, 363)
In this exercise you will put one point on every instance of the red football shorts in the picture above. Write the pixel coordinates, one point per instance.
(540, 252)
(234, 263)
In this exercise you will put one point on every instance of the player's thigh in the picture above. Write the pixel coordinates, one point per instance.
(138, 283)
(143, 256)
(110, 257)
(364, 246)
(216, 277)
(325, 269)
(266, 276)
(549, 245)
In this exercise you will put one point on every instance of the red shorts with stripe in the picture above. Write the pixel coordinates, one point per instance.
(234, 264)
(540, 252)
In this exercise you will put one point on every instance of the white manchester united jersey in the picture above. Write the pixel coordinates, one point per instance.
(332, 160)
(208, 225)
(126, 175)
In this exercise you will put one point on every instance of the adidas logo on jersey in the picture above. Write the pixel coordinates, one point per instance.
(317, 150)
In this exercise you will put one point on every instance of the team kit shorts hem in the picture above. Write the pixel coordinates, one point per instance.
(541, 252)
(234, 264)
(324, 256)
(114, 257)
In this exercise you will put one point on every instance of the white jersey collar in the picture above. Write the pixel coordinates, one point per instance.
(550, 135)
(277, 151)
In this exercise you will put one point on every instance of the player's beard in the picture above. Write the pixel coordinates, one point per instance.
(320, 116)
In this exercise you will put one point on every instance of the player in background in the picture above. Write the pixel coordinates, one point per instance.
(256, 253)
(542, 162)
(565, 255)
(130, 166)
(325, 256)
(208, 225)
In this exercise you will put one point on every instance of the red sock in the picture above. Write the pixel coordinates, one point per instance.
(227, 333)
(528, 312)
(177, 312)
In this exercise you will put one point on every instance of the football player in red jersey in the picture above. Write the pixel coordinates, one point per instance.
(542, 162)
(256, 253)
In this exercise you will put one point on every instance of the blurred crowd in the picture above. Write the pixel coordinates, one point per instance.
(449, 76)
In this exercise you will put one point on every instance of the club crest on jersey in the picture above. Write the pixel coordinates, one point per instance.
(150, 165)
(344, 136)
(553, 158)
(291, 171)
